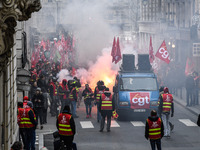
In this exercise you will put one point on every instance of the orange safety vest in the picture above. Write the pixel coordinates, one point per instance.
(154, 129)
(20, 117)
(64, 127)
(167, 102)
(99, 93)
(106, 103)
(64, 88)
(54, 89)
(71, 97)
(26, 119)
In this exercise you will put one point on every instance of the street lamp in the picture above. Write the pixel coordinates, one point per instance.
(173, 45)
(23, 76)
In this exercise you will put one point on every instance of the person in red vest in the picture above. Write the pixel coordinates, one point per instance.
(166, 106)
(99, 89)
(106, 107)
(154, 130)
(66, 127)
(20, 111)
(25, 101)
(30, 123)
(73, 96)
(64, 93)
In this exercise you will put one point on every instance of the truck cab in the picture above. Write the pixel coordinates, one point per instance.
(135, 91)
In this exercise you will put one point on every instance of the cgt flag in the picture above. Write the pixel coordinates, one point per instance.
(162, 53)
(151, 56)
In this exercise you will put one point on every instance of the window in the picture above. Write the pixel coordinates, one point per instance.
(138, 84)
(196, 49)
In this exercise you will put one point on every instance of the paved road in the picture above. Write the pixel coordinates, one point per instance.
(127, 135)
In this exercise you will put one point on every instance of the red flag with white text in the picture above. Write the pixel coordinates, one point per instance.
(162, 53)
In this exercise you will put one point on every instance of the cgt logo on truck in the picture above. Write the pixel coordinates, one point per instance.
(140, 100)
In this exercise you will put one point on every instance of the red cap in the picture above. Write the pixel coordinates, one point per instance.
(25, 97)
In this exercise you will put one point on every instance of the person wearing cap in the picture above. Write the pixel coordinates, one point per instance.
(30, 126)
(99, 90)
(66, 127)
(20, 112)
(106, 107)
(73, 98)
(88, 98)
(166, 106)
(154, 130)
(78, 89)
(38, 105)
(25, 100)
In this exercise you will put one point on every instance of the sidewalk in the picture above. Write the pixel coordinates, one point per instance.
(182, 101)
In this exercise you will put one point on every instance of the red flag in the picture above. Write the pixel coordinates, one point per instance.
(33, 60)
(113, 52)
(189, 68)
(162, 53)
(73, 72)
(151, 56)
(118, 55)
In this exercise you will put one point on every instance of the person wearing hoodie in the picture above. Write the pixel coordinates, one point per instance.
(66, 127)
(106, 107)
(38, 105)
(99, 89)
(154, 130)
(166, 106)
(88, 98)
(30, 132)
(64, 93)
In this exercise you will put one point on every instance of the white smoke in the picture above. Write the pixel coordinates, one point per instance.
(64, 74)
(91, 29)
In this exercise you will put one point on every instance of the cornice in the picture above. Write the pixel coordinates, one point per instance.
(11, 12)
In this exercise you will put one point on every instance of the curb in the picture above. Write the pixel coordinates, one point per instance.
(188, 108)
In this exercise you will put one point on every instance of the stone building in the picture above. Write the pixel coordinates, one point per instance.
(169, 20)
(12, 14)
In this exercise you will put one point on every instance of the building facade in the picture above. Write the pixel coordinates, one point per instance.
(172, 21)
(11, 12)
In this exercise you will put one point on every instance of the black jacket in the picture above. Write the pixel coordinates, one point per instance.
(35, 100)
(72, 123)
(189, 83)
(147, 127)
(100, 87)
(90, 98)
(31, 116)
(113, 101)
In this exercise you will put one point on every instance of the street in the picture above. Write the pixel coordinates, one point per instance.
(128, 135)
